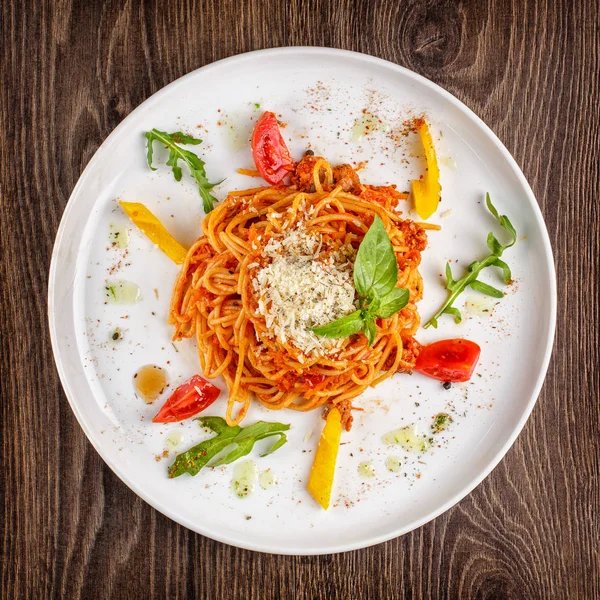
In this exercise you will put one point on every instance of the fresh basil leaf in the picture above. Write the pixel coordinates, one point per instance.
(505, 270)
(341, 328)
(394, 302)
(370, 330)
(484, 288)
(194, 163)
(200, 455)
(372, 303)
(376, 266)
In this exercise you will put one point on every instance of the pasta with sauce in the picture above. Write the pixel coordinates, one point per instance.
(275, 262)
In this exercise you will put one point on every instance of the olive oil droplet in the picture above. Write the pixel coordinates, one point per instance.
(174, 439)
(393, 464)
(366, 469)
(118, 235)
(122, 292)
(244, 478)
(267, 479)
(149, 382)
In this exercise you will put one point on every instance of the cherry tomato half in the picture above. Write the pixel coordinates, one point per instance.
(188, 400)
(448, 360)
(272, 158)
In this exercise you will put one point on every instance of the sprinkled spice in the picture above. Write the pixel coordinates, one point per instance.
(447, 385)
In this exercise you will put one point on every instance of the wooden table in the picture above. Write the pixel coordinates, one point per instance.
(71, 71)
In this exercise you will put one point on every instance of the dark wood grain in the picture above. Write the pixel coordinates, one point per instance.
(71, 71)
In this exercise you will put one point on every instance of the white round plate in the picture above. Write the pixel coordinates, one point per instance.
(321, 94)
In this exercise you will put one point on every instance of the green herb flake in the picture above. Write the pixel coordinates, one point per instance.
(196, 165)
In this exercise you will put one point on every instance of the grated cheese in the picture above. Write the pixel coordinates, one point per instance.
(300, 289)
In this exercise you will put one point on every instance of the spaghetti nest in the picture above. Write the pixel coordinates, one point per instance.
(217, 298)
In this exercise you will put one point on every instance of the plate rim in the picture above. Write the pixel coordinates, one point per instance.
(395, 532)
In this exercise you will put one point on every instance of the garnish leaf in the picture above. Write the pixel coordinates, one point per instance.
(484, 288)
(457, 287)
(176, 153)
(216, 424)
(505, 270)
(370, 330)
(375, 278)
(341, 328)
(394, 302)
(280, 442)
(503, 220)
(493, 244)
(449, 279)
(455, 312)
(248, 436)
(201, 454)
(376, 267)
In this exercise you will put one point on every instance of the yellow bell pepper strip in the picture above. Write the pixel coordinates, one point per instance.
(426, 191)
(320, 481)
(154, 230)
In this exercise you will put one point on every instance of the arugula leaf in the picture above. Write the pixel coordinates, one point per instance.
(457, 287)
(450, 310)
(505, 270)
(248, 436)
(194, 163)
(201, 454)
(198, 456)
(375, 278)
(484, 288)
(340, 328)
(376, 267)
(216, 424)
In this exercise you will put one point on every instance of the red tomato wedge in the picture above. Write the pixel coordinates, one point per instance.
(448, 360)
(272, 158)
(187, 400)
